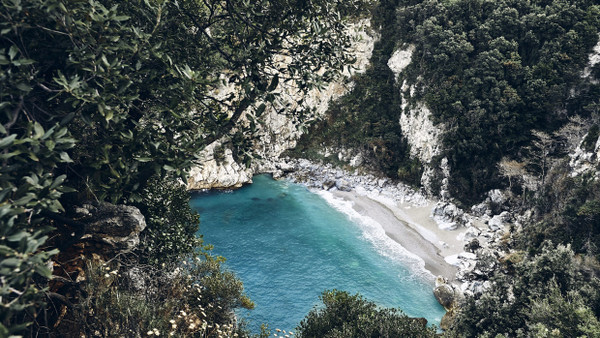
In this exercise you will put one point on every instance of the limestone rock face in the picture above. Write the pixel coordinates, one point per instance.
(421, 134)
(594, 59)
(116, 226)
(417, 127)
(583, 161)
(400, 59)
(225, 173)
(279, 131)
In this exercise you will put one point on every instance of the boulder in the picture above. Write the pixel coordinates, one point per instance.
(496, 223)
(357, 160)
(328, 184)
(447, 215)
(445, 293)
(479, 209)
(343, 185)
(116, 226)
(497, 196)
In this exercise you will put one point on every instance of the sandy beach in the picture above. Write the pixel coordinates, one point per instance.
(412, 228)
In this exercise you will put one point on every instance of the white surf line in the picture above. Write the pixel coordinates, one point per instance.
(374, 232)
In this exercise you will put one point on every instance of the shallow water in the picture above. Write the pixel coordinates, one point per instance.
(288, 245)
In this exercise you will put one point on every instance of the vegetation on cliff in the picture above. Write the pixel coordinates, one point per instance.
(493, 72)
(366, 118)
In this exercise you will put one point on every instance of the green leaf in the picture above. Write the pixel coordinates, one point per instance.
(65, 158)
(58, 181)
(24, 87)
(7, 141)
(274, 83)
(18, 236)
(13, 51)
(50, 144)
(11, 262)
(39, 130)
(260, 110)
(43, 271)
(4, 250)
(25, 199)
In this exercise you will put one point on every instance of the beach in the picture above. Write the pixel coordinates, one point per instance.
(411, 227)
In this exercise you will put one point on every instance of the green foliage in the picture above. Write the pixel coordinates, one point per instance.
(492, 71)
(97, 97)
(570, 209)
(194, 300)
(353, 316)
(367, 117)
(29, 187)
(171, 224)
(550, 293)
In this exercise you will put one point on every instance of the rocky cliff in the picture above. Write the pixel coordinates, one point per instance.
(278, 131)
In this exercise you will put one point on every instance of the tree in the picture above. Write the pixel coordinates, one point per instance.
(510, 169)
(549, 291)
(541, 149)
(97, 97)
(353, 316)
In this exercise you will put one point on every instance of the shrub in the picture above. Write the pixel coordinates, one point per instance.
(344, 315)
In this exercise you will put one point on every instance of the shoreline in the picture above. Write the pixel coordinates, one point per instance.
(399, 224)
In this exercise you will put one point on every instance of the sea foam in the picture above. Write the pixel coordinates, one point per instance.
(375, 234)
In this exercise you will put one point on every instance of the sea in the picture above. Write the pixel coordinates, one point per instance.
(289, 244)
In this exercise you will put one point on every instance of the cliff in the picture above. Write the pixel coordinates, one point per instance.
(278, 131)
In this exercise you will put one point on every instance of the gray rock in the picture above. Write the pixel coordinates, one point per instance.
(343, 185)
(357, 160)
(496, 223)
(446, 294)
(117, 226)
(497, 196)
(328, 184)
(479, 209)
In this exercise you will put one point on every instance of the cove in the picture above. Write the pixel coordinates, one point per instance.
(288, 245)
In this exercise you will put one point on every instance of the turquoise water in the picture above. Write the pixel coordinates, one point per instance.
(288, 245)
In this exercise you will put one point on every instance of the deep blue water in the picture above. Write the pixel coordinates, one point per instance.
(288, 245)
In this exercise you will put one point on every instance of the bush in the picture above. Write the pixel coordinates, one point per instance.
(171, 224)
(549, 292)
(195, 299)
(353, 316)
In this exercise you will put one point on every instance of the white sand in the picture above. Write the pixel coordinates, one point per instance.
(412, 228)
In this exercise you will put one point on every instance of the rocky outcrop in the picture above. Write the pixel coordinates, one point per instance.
(449, 297)
(448, 216)
(418, 128)
(584, 160)
(116, 227)
(327, 177)
(593, 60)
(219, 170)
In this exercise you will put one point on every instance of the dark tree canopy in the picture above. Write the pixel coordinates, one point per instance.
(97, 97)
(345, 315)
